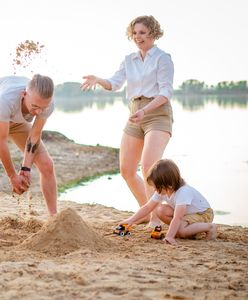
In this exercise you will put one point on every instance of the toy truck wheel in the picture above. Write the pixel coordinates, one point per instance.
(162, 236)
(128, 233)
(122, 233)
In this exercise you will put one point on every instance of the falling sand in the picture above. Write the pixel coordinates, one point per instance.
(25, 54)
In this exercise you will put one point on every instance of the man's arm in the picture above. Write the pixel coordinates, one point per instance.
(33, 142)
(18, 182)
(4, 150)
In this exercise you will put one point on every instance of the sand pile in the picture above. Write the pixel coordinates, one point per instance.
(14, 230)
(17, 223)
(64, 233)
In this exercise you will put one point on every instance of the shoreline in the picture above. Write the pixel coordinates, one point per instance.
(84, 162)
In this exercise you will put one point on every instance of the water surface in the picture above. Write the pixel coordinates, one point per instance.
(209, 144)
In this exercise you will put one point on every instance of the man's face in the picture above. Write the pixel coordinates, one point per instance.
(34, 104)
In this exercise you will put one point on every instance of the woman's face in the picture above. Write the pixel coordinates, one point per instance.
(141, 37)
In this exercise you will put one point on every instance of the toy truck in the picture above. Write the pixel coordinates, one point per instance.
(123, 230)
(157, 233)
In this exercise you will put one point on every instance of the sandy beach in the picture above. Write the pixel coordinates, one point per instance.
(75, 255)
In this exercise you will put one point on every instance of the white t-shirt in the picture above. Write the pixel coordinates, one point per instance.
(11, 102)
(185, 195)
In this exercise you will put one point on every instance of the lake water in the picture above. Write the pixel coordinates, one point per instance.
(209, 144)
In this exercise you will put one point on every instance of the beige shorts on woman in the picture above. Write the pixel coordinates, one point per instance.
(160, 118)
(18, 132)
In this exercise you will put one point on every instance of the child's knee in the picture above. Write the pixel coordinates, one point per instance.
(181, 233)
(164, 210)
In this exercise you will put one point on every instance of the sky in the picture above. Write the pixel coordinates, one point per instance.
(207, 40)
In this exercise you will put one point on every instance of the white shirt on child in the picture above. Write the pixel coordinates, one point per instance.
(185, 195)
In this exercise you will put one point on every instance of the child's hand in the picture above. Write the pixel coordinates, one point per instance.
(126, 222)
(170, 240)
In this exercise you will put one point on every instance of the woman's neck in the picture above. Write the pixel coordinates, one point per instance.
(143, 52)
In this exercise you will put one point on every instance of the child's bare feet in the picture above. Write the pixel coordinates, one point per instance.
(212, 233)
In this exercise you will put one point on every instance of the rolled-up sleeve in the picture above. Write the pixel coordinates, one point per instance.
(165, 76)
(118, 79)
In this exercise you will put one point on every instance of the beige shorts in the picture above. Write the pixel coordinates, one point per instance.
(205, 217)
(18, 133)
(160, 118)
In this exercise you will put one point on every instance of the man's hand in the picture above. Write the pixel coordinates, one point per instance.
(20, 184)
(27, 175)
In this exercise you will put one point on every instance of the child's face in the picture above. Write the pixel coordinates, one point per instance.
(164, 192)
(167, 192)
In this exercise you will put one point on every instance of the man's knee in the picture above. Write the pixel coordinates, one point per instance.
(45, 165)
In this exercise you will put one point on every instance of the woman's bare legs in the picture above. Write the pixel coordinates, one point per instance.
(148, 151)
(130, 155)
(154, 145)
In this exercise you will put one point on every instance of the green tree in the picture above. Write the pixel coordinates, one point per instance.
(192, 86)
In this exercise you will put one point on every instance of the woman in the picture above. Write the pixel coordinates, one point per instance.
(149, 77)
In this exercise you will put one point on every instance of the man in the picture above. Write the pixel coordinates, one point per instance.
(25, 106)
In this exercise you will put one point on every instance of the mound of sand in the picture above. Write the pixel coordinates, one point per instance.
(64, 233)
(17, 223)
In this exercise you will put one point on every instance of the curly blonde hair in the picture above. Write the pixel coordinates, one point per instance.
(150, 22)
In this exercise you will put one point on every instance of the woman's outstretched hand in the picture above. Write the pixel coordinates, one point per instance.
(89, 83)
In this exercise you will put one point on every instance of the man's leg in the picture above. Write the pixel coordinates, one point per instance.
(48, 182)
(19, 134)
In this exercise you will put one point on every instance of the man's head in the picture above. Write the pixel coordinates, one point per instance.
(38, 94)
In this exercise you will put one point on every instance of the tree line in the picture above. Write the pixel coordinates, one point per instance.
(194, 86)
(190, 86)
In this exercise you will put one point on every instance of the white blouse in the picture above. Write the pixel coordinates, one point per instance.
(149, 78)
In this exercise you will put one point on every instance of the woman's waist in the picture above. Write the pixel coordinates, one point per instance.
(142, 97)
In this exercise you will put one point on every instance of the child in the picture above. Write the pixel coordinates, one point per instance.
(187, 212)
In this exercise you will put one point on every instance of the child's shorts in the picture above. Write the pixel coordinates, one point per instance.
(204, 217)
(160, 118)
(19, 132)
